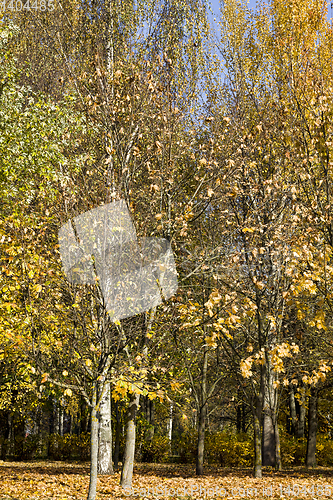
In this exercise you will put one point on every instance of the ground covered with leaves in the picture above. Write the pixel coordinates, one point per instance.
(45, 480)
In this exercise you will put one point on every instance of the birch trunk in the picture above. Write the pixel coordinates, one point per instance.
(61, 421)
(105, 435)
(128, 462)
(170, 425)
(93, 447)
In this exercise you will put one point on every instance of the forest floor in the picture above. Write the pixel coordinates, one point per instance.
(46, 480)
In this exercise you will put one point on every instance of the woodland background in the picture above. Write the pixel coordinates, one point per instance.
(220, 142)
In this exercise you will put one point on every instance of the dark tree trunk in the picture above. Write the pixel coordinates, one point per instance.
(301, 418)
(128, 462)
(84, 417)
(243, 418)
(312, 433)
(201, 440)
(39, 418)
(239, 418)
(268, 441)
(293, 414)
(118, 434)
(256, 404)
(202, 415)
(150, 416)
(270, 431)
(241, 414)
(269, 417)
(71, 424)
(52, 419)
(257, 447)
(10, 436)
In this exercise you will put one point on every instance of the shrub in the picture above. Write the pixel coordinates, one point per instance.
(28, 447)
(156, 450)
(70, 447)
(324, 452)
(293, 450)
(24, 447)
(83, 446)
(229, 449)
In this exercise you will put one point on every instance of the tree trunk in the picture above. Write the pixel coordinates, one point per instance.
(201, 440)
(170, 423)
(312, 433)
(56, 418)
(40, 431)
(105, 435)
(269, 427)
(268, 440)
(202, 415)
(293, 415)
(301, 418)
(11, 437)
(117, 440)
(243, 418)
(84, 425)
(93, 447)
(240, 413)
(128, 462)
(278, 462)
(61, 421)
(238, 418)
(150, 415)
(257, 447)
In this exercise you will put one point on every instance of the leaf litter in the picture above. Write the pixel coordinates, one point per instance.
(46, 480)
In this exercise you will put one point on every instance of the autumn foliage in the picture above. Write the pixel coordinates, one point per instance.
(226, 156)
